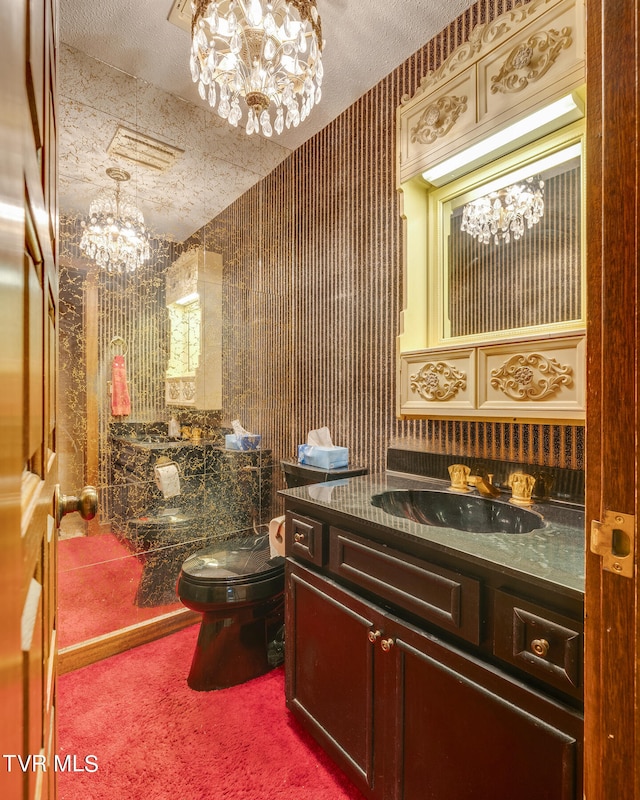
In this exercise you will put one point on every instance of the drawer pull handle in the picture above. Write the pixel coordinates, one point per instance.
(386, 645)
(540, 647)
(373, 636)
(299, 537)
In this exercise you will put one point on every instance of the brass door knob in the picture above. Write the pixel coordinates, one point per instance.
(386, 645)
(298, 537)
(374, 636)
(540, 647)
(86, 504)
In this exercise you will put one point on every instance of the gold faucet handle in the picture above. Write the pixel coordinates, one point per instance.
(522, 488)
(459, 474)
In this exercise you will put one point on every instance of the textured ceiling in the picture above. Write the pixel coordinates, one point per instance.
(145, 84)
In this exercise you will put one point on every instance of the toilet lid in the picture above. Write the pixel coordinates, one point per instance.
(243, 560)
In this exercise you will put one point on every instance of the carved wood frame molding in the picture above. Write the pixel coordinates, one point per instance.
(483, 38)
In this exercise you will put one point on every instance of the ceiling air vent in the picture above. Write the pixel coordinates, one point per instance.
(142, 149)
(180, 14)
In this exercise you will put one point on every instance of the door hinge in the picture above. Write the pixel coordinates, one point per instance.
(614, 538)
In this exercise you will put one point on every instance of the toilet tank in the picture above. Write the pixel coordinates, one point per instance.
(301, 474)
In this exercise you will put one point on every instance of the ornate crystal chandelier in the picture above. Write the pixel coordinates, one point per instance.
(502, 215)
(266, 53)
(114, 236)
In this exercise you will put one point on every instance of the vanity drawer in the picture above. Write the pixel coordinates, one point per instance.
(305, 538)
(437, 595)
(544, 643)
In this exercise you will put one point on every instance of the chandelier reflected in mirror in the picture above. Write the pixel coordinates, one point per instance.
(114, 235)
(505, 214)
(264, 58)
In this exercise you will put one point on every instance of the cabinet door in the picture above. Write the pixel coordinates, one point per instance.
(467, 731)
(330, 663)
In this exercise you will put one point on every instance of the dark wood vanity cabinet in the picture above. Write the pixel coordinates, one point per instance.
(407, 713)
(331, 682)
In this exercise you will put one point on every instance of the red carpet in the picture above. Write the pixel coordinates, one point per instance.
(156, 739)
(98, 579)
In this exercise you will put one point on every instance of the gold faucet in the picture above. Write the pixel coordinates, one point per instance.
(461, 479)
(485, 486)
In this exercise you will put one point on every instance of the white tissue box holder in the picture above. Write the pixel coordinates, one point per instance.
(323, 457)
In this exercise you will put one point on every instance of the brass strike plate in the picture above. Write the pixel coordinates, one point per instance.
(613, 538)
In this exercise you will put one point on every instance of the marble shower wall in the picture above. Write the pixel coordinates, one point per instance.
(102, 316)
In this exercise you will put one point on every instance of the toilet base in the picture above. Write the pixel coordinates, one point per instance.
(233, 649)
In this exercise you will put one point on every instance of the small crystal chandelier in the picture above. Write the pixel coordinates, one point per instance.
(114, 236)
(502, 215)
(268, 54)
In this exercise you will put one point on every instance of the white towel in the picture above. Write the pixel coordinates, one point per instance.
(276, 537)
(168, 479)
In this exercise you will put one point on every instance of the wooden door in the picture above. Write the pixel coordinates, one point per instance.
(28, 466)
(612, 634)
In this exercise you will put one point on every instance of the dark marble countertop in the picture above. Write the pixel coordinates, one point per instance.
(551, 556)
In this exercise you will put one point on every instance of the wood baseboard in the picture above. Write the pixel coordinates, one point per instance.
(110, 644)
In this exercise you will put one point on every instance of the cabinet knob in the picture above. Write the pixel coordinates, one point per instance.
(540, 647)
(374, 636)
(386, 645)
(298, 537)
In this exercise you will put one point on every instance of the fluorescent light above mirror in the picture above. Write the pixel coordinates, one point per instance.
(188, 298)
(533, 126)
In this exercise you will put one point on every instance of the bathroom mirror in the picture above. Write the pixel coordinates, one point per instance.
(508, 254)
(118, 571)
(490, 174)
(495, 290)
(184, 318)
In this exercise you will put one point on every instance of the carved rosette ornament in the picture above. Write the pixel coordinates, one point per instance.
(438, 380)
(438, 118)
(530, 60)
(532, 376)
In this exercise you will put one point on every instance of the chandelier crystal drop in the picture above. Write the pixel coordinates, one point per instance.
(114, 235)
(262, 58)
(503, 215)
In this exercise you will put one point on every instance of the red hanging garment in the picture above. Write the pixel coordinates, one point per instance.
(120, 401)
